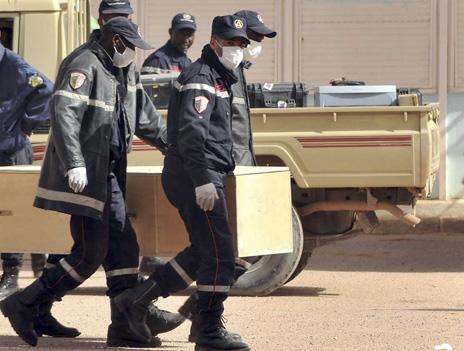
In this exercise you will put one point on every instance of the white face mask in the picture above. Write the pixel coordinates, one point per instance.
(124, 59)
(231, 57)
(252, 51)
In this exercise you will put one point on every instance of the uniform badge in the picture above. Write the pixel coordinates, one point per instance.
(238, 23)
(76, 80)
(35, 80)
(201, 103)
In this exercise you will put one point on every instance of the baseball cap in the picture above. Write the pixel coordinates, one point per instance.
(229, 27)
(255, 23)
(128, 30)
(115, 6)
(183, 21)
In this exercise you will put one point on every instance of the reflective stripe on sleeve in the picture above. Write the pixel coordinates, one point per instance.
(213, 288)
(76, 199)
(49, 265)
(182, 273)
(122, 271)
(238, 101)
(131, 88)
(201, 86)
(70, 270)
(84, 98)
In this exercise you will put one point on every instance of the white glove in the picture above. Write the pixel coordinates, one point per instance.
(206, 195)
(77, 179)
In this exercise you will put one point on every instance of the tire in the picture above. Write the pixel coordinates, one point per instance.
(305, 256)
(270, 272)
(329, 223)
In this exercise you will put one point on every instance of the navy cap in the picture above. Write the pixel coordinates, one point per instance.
(255, 23)
(115, 6)
(128, 30)
(183, 21)
(229, 27)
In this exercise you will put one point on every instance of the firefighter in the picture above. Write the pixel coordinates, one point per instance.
(97, 107)
(198, 159)
(172, 56)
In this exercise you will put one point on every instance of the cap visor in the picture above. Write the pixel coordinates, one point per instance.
(140, 43)
(263, 30)
(124, 11)
(185, 25)
(233, 34)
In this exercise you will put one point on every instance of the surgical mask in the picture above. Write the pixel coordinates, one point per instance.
(231, 57)
(124, 59)
(252, 51)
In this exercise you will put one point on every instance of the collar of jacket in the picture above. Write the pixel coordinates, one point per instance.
(102, 55)
(173, 51)
(211, 59)
(2, 52)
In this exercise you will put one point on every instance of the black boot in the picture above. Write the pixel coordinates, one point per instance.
(134, 304)
(150, 265)
(9, 282)
(120, 335)
(46, 324)
(189, 310)
(214, 337)
(160, 321)
(21, 307)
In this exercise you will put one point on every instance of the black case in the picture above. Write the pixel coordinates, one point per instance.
(275, 95)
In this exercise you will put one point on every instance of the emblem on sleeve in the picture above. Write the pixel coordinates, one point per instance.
(76, 80)
(35, 80)
(201, 103)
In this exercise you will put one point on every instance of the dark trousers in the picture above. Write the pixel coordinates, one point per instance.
(110, 242)
(23, 156)
(210, 259)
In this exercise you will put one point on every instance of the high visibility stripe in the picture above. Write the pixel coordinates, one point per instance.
(76, 199)
(49, 265)
(149, 69)
(131, 88)
(84, 98)
(123, 271)
(238, 101)
(67, 267)
(200, 86)
(179, 270)
(213, 288)
(242, 263)
(139, 86)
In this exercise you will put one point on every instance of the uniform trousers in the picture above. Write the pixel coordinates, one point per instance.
(210, 259)
(110, 242)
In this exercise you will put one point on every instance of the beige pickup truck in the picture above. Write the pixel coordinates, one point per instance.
(345, 162)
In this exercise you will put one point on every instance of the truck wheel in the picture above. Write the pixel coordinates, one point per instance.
(270, 272)
(304, 259)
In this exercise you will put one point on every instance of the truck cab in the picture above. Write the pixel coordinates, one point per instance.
(43, 32)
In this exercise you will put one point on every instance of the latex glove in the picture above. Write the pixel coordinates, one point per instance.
(77, 179)
(206, 195)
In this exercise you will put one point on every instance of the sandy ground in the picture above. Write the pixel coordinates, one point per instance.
(395, 292)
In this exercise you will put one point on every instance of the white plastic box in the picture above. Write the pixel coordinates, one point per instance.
(355, 95)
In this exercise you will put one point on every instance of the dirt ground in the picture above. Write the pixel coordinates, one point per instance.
(378, 292)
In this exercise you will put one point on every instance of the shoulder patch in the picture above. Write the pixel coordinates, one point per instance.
(76, 79)
(35, 80)
(201, 103)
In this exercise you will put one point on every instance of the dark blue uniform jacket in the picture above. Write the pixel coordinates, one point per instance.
(165, 60)
(24, 98)
(200, 118)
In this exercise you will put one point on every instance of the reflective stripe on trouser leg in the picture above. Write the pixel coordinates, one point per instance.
(122, 260)
(87, 254)
(179, 272)
(217, 258)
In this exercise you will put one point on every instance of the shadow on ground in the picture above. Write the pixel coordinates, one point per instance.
(15, 343)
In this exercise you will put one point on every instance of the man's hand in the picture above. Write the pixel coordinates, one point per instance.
(77, 179)
(206, 195)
